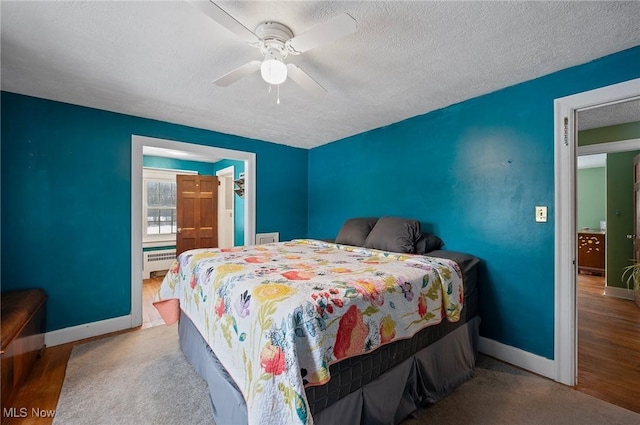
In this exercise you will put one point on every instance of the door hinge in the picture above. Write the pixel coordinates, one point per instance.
(566, 131)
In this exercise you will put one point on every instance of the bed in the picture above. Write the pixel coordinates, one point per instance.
(310, 331)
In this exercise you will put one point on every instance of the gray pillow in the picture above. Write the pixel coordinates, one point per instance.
(355, 231)
(428, 242)
(394, 234)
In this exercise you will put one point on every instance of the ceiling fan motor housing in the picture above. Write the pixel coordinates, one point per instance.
(274, 37)
(271, 53)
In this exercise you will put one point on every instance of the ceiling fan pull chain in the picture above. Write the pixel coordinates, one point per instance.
(278, 101)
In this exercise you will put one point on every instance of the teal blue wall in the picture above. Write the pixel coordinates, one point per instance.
(238, 202)
(591, 196)
(66, 200)
(474, 171)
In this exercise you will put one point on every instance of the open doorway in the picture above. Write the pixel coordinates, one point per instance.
(244, 160)
(568, 114)
(163, 210)
(226, 207)
(608, 322)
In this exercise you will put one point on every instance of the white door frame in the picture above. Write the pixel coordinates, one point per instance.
(225, 172)
(565, 108)
(137, 143)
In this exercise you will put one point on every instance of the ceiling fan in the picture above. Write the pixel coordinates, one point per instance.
(276, 41)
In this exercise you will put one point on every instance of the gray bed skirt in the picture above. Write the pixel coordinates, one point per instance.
(421, 380)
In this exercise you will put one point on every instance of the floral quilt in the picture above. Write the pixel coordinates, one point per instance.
(278, 315)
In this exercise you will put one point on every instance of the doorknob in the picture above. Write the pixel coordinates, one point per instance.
(631, 236)
(180, 231)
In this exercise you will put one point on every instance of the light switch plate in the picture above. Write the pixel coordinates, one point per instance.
(541, 214)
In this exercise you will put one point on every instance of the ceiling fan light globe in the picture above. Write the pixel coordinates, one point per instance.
(273, 71)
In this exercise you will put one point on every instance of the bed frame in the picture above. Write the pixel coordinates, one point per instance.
(380, 387)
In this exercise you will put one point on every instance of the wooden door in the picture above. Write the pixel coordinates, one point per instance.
(196, 212)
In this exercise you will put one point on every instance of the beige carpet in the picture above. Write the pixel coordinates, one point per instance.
(501, 394)
(143, 378)
(137, 378)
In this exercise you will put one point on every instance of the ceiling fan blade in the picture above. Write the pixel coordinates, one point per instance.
(216, 13)
(236, 74)
(304, 80)
(324, 33)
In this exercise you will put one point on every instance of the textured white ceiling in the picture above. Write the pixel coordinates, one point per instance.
(603, 116)
(158, 59)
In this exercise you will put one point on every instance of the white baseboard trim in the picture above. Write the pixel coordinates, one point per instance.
(87, 330)
(517, 357)
(624, 293)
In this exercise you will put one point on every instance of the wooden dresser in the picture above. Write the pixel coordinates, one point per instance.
(591, 252)
(22, 331)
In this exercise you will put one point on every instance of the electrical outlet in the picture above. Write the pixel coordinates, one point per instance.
(541, 214)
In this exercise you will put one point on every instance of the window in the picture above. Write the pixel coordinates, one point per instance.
(159, 205)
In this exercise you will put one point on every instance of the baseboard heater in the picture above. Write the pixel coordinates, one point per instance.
(155, 261)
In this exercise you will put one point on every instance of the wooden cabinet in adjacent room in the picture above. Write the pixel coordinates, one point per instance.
(591, 252)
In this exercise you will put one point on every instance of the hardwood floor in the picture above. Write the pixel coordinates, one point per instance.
(150, 316)
(608, 353)
(608, 345)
